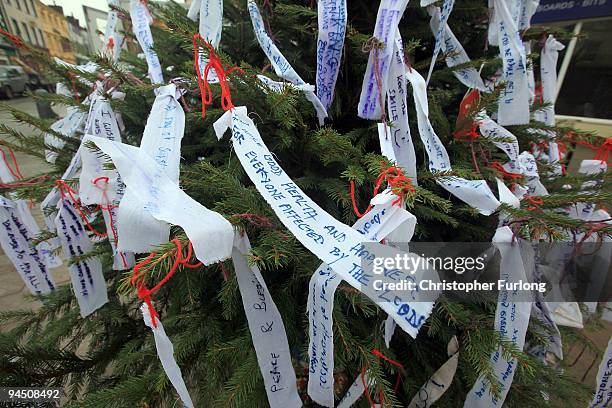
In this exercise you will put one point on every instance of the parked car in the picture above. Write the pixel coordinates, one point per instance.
(13, 81)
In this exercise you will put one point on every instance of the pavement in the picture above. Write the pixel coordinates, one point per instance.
(13, 291)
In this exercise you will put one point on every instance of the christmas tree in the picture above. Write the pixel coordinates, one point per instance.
(109, 357)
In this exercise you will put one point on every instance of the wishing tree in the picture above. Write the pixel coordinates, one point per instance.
(161, 213)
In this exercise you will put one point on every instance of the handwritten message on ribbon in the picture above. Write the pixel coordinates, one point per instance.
(330, 42)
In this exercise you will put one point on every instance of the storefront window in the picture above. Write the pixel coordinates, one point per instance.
(586, 89)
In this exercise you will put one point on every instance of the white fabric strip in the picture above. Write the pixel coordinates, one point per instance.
(102, 122)
(355, 391)
(141, 21)
(438, 383)
(442, 20)
(165, 352)
(210, 21)
(455, 53)
(375, 225)
(16, 242)
(513, 106)
(511, 321)
(86, 275)
(139, 230)
(330, 43)
(212, 235)
(603, 392)
(373, 89)
(396, 139)
(210, 27)
(281, 66)
(335, 243)
(111, 35)
(476, 193)
(267, 330)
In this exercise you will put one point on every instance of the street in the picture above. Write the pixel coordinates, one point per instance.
(13, 290)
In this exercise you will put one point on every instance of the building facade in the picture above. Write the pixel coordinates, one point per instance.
(21, 18)
(52, 22)
(79, 38)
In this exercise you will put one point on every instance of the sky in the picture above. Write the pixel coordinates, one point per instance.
(75, 7)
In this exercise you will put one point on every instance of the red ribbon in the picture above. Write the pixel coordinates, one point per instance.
(109, 207)
(536, 202)
(215, 63)
(505, 173)
(67, 192)
(18, 42)
(604, 150)
(400, 185)
(16, 172)
(138, 278)
(380, 355)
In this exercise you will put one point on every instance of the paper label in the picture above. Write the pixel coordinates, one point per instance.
(165, 352)
(330, 43)
(86, 275)
(141, 21)
(267, 330)
(281, 66)
(212, 235)
(335, 243)
(373, 91)
(511, 321)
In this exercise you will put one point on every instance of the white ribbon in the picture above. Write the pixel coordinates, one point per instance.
(111, 32)
(210, 27)
(373, 89)
(442, 19)
(375, 225)
(330, 43)
(267, 330)
(102, 122)
(211, 19)
(476, 193)
(86, 275)
(455, 53)
(67, 126)
(139, 230)
(160, 197)
(396, 140)
(438, 383)
(141, 20)
(513, 106)
(335, 243)
(511, 321)
(355, 391)
(281, 66)
(165, 352)
(16, 242)
(603, 392)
